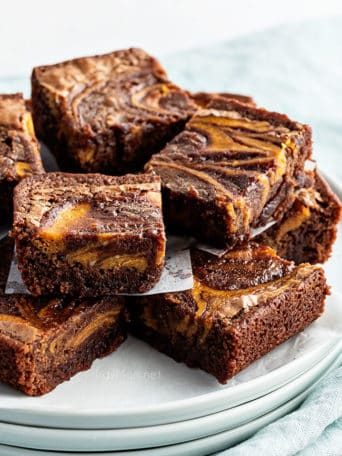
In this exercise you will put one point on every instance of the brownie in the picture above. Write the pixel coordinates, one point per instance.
(241, 306)
(19, 150)
(108, 113)
(234, 167)
(89, 234)
(202, 99)
(45, 341)
(308, 230)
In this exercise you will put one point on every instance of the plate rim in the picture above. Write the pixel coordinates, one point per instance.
(215, 442)
(303, 383)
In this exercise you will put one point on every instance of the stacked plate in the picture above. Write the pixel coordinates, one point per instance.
(140, 402)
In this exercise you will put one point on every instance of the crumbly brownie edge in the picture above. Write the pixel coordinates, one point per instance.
(29, 370)
(313, 240)
(191, 215)
(46, 119)
(100, 344)
(78, 280)
(230, 349)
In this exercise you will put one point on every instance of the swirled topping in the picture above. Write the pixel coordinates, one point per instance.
(100, 212)
(241, 158)
(27, 319)
(121, 88)
(57, 204)
(112, 111)
(19, 152)
(229, 285)
(215, 299)
(250, 265)
(131, 99)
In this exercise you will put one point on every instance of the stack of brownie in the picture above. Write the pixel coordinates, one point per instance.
(212, 166)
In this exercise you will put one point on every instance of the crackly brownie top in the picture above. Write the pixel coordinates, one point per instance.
(227, 285)
(19, 152)
(235, 155)
(204, 98)
(24, 318)
(122, 87)
(56, 205)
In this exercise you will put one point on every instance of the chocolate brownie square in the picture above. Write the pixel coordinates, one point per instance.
(234, 167)
(108, 113)
(45, 341)
(89, 234)
(19, 150)
(242, 305)
(308, 230)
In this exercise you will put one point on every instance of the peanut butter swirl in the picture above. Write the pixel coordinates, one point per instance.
(19, 151)
(231, 284)
(57, 204)
(120, 102)
(56, 322)
(237, 157)
(93, 220)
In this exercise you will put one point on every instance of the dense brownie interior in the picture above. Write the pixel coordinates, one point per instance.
(241, 306)
(308, 230)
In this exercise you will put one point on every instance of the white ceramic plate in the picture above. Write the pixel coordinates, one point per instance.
(167, 434)
(137, 386)
(198, 447)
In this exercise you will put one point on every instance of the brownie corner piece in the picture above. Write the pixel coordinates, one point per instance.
(89, 234)
(308, 230)
(46, 341)
(19, 149)
(107, 113)
(233, 168)
(242, 305)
